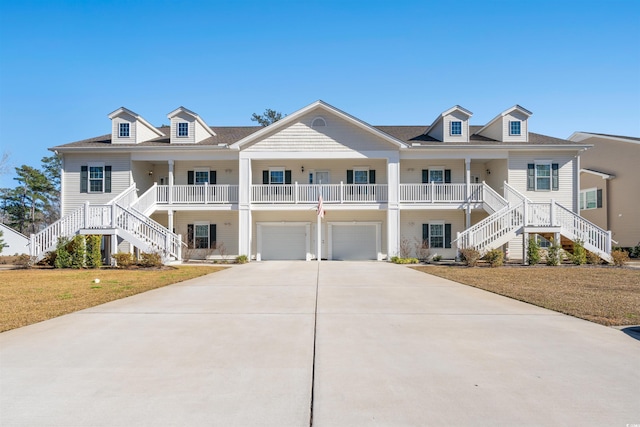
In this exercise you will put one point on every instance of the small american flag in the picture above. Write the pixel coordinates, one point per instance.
(320, 208)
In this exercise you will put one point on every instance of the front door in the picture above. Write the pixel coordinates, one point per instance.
(321, 177)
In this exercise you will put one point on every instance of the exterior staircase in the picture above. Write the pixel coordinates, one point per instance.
(521, 215)
(115, 217)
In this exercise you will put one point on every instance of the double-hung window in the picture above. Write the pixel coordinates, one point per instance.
(590, 199)
(436, 176)
(201, 235)
(436, 235)
(201, 177)
(543, 176)
(276, 176)
(123, 130)
(96, 178)
(183, 129)
(456, 127)
(515, 127)
(361, 176)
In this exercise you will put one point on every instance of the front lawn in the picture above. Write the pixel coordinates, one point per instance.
(30, 296)
(605, 295)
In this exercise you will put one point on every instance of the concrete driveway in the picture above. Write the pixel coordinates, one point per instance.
(394, 347)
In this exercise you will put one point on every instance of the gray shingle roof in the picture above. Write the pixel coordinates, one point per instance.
(231, 134)
(614, 136)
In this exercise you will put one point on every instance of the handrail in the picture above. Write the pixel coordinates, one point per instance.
(125, 194)
(509, 190)
(146, 200)
(495, 200)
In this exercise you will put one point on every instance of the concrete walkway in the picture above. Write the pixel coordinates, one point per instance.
(394, 347)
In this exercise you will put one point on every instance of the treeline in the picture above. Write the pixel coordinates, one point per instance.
(34, 202)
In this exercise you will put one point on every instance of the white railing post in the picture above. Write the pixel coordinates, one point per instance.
(552, 213)
(525, 205)
(608, 245)
(206, 193)
(295, 191)
(113, 215)
(86, 214)
(341, 192)
(32, 245)
(433, 193)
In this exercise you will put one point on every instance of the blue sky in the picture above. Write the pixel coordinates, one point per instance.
(65, 65)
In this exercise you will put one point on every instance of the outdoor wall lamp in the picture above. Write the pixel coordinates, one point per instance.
(302, 169)
(150, 173)
(488, 171)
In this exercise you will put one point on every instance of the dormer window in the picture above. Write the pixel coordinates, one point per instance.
(123, 130)
(456, 127)
(318, 122)
(183, 129)
(514, 127)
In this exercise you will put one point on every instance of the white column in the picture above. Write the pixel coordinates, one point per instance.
(244, 207)
(170, 220)
(467, 166)
(170, 195)
(393, 205)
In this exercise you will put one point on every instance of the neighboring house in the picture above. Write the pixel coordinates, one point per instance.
(610, 184)
(14, 242)
(200, 190)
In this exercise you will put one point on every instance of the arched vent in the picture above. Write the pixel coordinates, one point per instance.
(318, 122)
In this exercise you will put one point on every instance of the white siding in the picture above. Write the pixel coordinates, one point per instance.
(182, 118)
(566, 173)
(200, 132)
(494, 131)
(222, 177)
(115, 129)
(143, 133)
(411, 228)
(337, 169)
(337, 135)
(14, 242)
(120, 178)
(446, 127)
(437, 131)
(514, 115)
(411, 170)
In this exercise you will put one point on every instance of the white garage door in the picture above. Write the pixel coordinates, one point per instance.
(354, 242)
(283, 242)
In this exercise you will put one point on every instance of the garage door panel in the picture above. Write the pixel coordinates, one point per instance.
(354, 242)
(283, 242)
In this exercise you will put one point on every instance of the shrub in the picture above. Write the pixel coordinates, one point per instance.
(533, 251)
(94, 258)
(49, 259)
(554, 254)
(23, 261)
(620, 257)
(422, 249)
(593, 258)
(400, 260)
(150, 259)
(63, 256)
(78, 251)
(405, 248)
(495, 257)
(579, 256)
(123, 259)
(436, 258)
(242, 259)
(635, 251)
(470, 256)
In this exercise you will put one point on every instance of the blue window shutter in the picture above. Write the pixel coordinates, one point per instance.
(265, 177)
(425, 176)
(107, 179)
(447, 235)
(372, 177)
(554, 177)
(190, 178)
(599, 198)
(425, 235)
(531, 177)
(84, 179)
(349, 176)
(447, 176)
(212, 177)
(287, 177)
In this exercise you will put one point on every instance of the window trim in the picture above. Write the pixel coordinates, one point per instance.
(178, 129)
(121, 127)
(89, 179)
(511, 123)
(535, 174)
(582, 201)
(195, 176)
(361, 169)
(437, 169)
(318, 118)
(278, 169)
(431, 235)
(195, 228)
(451, 133)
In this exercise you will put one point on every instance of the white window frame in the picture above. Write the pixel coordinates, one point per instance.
(179, 128)
(583, 199)
(195, 233)
(279, 169)
(360, 169)
(431, 235)
(436, 169)
(542, 241)
(511, 123)
(89, 179)
(535, 174)
(195, 175)
(121, 127)
(451, 127)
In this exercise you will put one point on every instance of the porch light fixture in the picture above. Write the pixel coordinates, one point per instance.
(488, 171)
(302, 169)
(150, 173)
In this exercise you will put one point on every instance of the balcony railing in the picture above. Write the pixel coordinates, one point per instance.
(441, 193)
(196, 194)
(309, 193)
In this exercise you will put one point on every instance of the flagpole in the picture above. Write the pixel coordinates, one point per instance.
(320, 214)
(319, 239)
